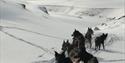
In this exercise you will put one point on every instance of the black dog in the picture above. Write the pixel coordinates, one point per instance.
(65, 45)
(100, 40)
(78, 39)
(87, 57)
(60, 58)
(88, 36)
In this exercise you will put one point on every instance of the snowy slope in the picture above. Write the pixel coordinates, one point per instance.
(30, 35)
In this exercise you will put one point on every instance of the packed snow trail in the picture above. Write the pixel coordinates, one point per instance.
(33, 32)
(30, 43)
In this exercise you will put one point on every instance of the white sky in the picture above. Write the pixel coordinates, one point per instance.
(87, 3)
(82, 3)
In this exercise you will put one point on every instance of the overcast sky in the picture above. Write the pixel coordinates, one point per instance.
(102, 3)
(83, 3)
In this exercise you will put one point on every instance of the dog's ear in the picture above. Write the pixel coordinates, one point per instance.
(63, 53)
(67, 41)
(88, 27)
(106, 34)
(75, 30)
(56, 53)
(63, 41)
(103, 34)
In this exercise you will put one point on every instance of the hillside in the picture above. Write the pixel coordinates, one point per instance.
(29, 35)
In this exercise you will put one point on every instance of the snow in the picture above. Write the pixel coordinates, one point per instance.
(83, 3)
(31, 36)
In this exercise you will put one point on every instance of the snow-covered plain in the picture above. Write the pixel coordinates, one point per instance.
(31, 36)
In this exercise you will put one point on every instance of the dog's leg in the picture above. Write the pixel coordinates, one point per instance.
(103, 45)
(99, 46)
(95, 45)
(90, 43)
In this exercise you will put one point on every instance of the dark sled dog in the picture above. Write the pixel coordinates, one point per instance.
(78, 39)
(88, 36)
(65, 45)
(60, 58)
(100, 41)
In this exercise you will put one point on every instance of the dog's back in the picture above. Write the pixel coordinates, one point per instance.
(93, 60)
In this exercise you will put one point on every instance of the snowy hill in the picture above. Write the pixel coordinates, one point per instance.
(82, 12)
(31, 36)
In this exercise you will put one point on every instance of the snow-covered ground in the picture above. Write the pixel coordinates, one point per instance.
(31, 36)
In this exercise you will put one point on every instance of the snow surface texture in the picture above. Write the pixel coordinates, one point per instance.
(29, 35)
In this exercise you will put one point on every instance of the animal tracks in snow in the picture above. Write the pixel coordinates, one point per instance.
(28, 42)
